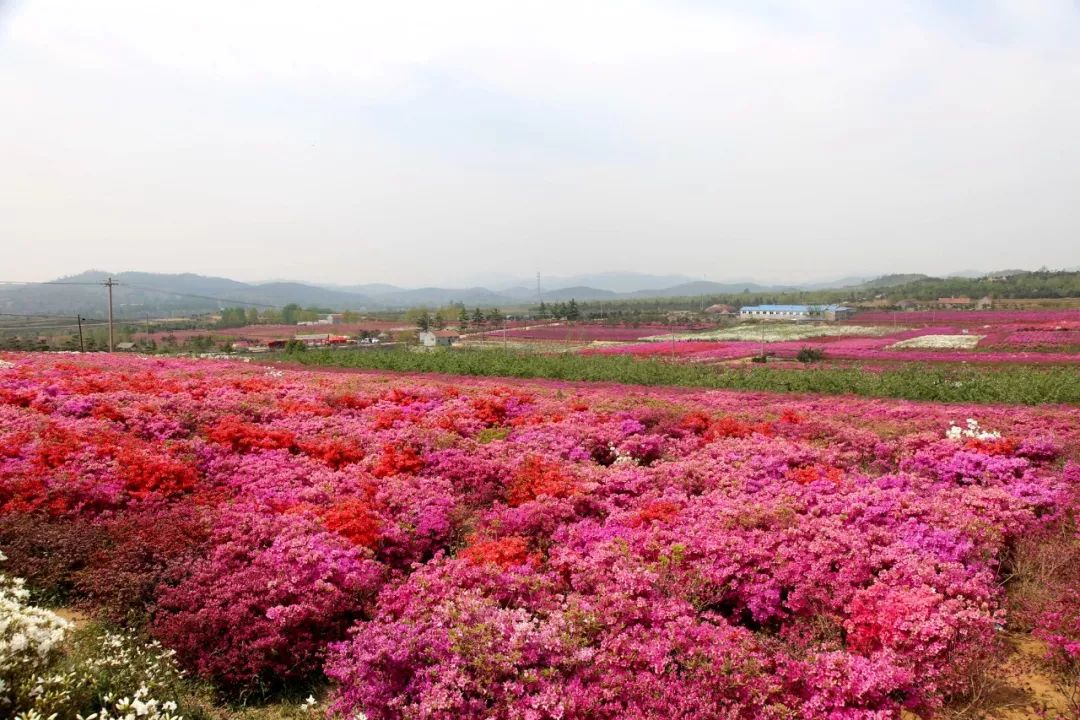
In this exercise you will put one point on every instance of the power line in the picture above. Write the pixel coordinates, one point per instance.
(50, 282)
(56, 327)
(200, 297)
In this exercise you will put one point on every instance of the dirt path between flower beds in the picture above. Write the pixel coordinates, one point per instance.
(1021, 688)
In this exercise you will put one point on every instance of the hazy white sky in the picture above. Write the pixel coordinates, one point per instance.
(428, 142)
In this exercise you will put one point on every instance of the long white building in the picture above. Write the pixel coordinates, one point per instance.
(794, 312)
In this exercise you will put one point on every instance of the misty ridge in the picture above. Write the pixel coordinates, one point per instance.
(140, 293)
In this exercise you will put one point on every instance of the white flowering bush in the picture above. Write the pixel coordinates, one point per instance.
(4, 364)
(970, 431)
(50, 671)
(938, 342)
(221, 356)
(29, 640)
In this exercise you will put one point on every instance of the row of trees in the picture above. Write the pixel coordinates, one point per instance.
(559, 310)
(426, 320)
(289, 315)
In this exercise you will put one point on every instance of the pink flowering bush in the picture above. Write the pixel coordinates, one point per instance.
(456, 548)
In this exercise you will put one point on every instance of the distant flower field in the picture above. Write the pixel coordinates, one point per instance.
(1030, 337)
(780, 331)
(457, 548)
(582, 332)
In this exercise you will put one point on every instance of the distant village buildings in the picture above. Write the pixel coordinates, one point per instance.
(829, 313)
(439, 338)
(322, 339)
(328, 319)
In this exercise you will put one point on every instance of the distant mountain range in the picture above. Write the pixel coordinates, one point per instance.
(141, 294)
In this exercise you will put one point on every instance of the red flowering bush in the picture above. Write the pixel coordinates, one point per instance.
(245, 437)
(135, 554)
(504, 552)
(538, 477)
(397, 459)
(354, 520)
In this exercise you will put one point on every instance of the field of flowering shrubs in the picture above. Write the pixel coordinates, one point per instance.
(457, 548)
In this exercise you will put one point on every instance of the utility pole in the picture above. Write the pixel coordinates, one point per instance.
(78, 319)
(109, 284)
(148, 329)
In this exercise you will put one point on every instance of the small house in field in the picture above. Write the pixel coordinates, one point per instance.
(439, 338)
(986, 303)
(720, 309)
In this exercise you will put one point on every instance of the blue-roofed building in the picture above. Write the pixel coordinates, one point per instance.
(795, 312)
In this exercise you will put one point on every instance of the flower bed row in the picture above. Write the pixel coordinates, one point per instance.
(461, 549)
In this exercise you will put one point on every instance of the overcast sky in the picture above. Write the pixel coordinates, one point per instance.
(433, 142)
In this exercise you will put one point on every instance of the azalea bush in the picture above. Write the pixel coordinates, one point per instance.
(262, 605)
(50, 669)
(460, 548)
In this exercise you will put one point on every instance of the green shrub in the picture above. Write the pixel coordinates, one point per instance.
(810, 355)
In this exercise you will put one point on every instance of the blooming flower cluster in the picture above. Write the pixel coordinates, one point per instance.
(456, 548)
(29, 639)
(938, 342)
(971, 430)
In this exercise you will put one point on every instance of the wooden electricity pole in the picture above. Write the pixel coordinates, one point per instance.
(78, 319)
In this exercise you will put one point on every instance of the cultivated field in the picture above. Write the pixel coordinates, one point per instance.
(460, 548)
(1025, 337)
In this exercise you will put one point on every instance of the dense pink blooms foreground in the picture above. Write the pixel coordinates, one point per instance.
(461, 549)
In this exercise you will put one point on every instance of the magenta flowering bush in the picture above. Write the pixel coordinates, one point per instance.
(454, 548)
(265, 601)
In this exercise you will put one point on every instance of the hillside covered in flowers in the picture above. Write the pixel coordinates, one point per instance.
(446, 548)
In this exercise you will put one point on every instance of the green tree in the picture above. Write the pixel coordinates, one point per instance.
(463, 317)
(290, 313)
(233, 317)
(477, 317)
(572, 311)
(424, 322)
